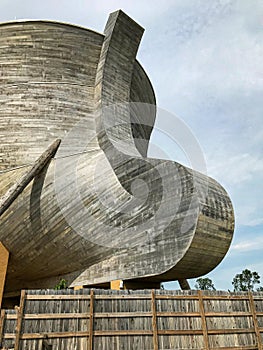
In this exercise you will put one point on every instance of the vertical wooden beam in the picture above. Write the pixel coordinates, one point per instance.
(203, 319)
(2, 323)
(4, 256)
(91, 316)
(154, 323)
(255, 320)
(20, 313)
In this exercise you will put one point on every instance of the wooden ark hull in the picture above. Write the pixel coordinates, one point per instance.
(100, 210)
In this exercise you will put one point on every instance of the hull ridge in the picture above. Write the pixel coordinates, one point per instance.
(100, 210)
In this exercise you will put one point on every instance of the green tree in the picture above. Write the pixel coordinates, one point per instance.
(204, 284)
(62, 284)
(246, 280)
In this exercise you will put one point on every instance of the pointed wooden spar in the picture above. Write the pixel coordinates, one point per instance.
(8, 198)
(184, 284)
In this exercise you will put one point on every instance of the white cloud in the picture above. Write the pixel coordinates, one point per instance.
(236, 169)
(248, 246)
(248, 211)
(256, 222)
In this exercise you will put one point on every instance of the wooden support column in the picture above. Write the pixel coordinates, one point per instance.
(78, 287)
(116, 285)
(4, 256)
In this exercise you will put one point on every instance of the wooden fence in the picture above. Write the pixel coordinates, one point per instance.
(128, 320)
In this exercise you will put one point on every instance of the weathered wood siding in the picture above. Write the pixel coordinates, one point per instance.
(80, 218)
(48, 73)
(128, 320)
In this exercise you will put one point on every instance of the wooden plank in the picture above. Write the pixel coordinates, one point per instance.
(177, 314)
(32, 336)
(230, 331)
(154, 323)
(20, 312)
(180, 332)
(9, 336)
(78, 334)
(205, 297)
(91, 316)
(131, 314)
(84, 315)
(54, 335)
(207, 314)
(209, 332)
(125, 296)
(122, 314)
(17, 188)
(140, 296)
(128, 333)
(57, 297)
(49, 316)
(86, 297)
(225, 297)
(249, 347)
(179, 297)
(123, 333)
(255, 320)
(228, 314)
(2, 323)
(11, 317)
(203, 319)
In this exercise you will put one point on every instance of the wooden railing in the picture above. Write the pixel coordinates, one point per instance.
(197, 320)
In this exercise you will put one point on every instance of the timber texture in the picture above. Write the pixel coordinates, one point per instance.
(100, 210)
(128, 320)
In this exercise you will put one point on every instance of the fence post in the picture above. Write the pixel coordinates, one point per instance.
(154, 323)
(20, 313)
(91, 315)
(203, 319)
(2, 322)
(255, 320)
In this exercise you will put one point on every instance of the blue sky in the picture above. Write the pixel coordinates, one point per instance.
(204, 59)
